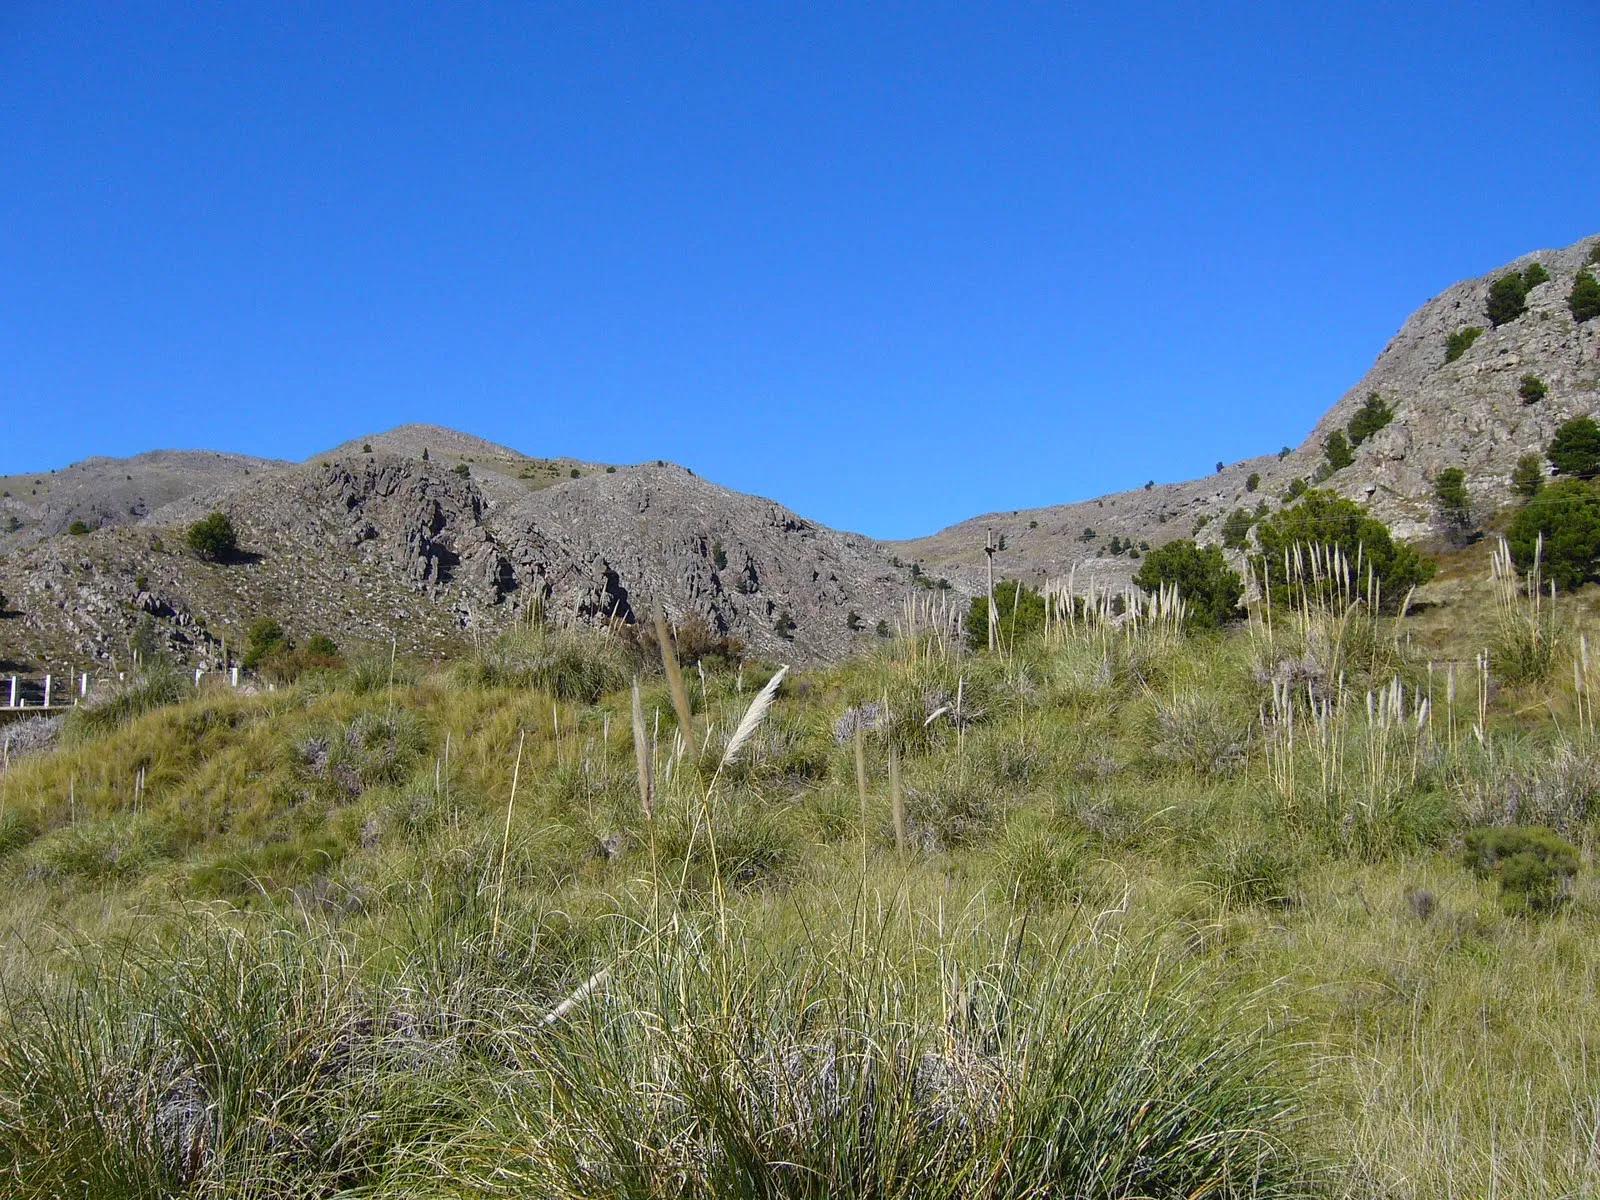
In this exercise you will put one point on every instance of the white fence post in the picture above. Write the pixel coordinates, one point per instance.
(197, 673)
(47, 682)
(83, 684)
(233, 676)
(13, 691)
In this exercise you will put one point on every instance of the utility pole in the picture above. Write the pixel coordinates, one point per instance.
(994, 613)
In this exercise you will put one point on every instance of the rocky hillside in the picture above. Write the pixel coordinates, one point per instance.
(112, 491)
(1466, 413)
(437, 537)
(364, 543)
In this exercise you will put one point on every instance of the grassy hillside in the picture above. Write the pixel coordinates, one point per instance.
(1119, 911)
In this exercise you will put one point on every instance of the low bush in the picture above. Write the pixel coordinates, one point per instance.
(1508, 299)
(1533, 865)
(1019, 608)
(1532, 389)
(1451, 501)
(1372, 416)
(213, 537)
(1336, 452)
(1527, 477)
(1575, 448)
(1323, 519)
(1584, 299)
(1459, 342)
(1210, 588)
(1561, 523)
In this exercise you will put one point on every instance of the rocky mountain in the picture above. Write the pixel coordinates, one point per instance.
(112, 491)
(1467, 412)
(436, 538)
(372, 541)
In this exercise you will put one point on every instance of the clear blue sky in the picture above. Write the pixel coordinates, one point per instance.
(894, 265)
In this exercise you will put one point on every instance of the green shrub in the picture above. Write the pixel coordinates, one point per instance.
(1253, 482)
(1566, 515)
(213, 537)
(1450, 498)
(1532, 389)
(1534, 865)
(1584, 299)
(1336, 451)
(1321, 518)
(1508, 299)
(462, 470)
(1575, 448)
(77, 529)
(1459, 342)
(264, 636)
(1210, 588)
(1296, 489)
(1021, 613)
(1236, 529)
(1533, 276)
(1527, 477)
(1370, 417)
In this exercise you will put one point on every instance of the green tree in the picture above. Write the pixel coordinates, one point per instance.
(1566, 516)
(77, 529)
(1336, 450)
(1021, 613)
(1253, 482)
(212, 537)
(1236, 530)
(1508, 299)
(1459, 342)
(1370, 417)
(1533, 276)
(1575, 448)
(1209, 587)
(264, 637)
(1532, 389)
(1527, 477)
(1584, 299)
(1451, 501)
(1324, 519)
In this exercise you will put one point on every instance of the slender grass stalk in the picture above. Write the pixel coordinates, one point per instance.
(675, 684)
(641, 755)
(861, 792)
(897, 800)
(505, 843)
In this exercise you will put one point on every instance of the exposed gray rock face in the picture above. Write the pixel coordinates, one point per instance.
(1464, 414)
(604, 545)
(371, 541)
(372, 545)
(112, 491)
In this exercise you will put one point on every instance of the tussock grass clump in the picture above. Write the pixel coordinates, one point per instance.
(699, 1067)
(568, 664)
(155, 685)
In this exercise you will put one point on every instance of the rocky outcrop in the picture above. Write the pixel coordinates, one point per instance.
(1466, 413)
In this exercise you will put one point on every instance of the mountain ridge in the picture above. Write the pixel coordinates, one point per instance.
(435, 537)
